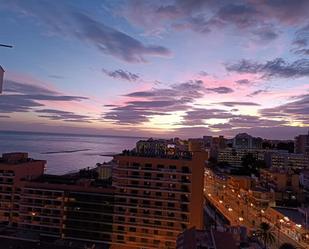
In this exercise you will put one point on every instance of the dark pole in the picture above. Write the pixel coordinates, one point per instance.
(6, 46)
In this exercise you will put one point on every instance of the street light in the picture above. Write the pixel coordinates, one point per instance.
(1, 69)
(6, 46)
(279, 228)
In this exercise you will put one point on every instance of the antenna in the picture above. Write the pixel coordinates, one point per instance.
(1, 69)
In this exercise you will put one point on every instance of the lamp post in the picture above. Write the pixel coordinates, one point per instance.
(279, 228)
(6, 46)
(1, 69)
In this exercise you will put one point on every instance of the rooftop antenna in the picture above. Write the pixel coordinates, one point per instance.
(1, 69)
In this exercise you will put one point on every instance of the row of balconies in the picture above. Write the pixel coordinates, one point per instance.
(150, 195)
(179, 189)
(183, 170)
(155, 179)
(155, 224)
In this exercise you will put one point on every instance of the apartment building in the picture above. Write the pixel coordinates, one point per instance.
(14, 168)
(301, 144)
(285, 183)
(70, 208)
(156, 198)
(281, 159)
(234, 156)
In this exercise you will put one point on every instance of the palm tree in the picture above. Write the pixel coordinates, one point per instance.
(287, 246)
(266, 234)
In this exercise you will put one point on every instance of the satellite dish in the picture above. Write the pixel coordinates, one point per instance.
(1, 78)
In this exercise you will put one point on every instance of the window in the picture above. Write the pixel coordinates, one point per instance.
(172, 167)
(160, 166)
(158, 203)
(170, 204)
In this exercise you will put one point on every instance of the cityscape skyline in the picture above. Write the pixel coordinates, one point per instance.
(172, 68)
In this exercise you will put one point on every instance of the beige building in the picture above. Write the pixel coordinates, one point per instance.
(156, 199)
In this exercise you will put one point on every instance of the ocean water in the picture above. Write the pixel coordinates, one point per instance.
(65, 152)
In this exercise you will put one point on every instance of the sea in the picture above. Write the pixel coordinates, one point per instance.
(65, 153)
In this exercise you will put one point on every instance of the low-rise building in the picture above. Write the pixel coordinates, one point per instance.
(203, 239)
(285, 183)
(234, 156)
(282, 159)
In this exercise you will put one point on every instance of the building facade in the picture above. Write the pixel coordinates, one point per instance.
(156, 199)
(301, 144)
(14, 169)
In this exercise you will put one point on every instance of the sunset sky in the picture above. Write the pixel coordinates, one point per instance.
(150, 68)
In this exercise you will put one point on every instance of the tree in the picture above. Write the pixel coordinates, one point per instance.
(266, 234)
(287, 246)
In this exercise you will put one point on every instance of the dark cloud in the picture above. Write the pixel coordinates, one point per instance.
(221, 90)
(258, 20)
(178, 97)
(4, 116)
(247, 121)
(11, 86)
(203, 73)
(257, 92)
(54, 76)
(275, 68)
(22, 97)
(296, 111)
(243, 82)
(221, 126)
(53, 114)
(303, 51)
(198, 116)
(17, 103)
(188, 90)
(121, 74)
(235, 103)
(64, 20)
(116, 43)
(301, 41)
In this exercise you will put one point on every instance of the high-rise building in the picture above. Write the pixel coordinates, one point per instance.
(156, 198)
(14, 169)
(245, 141)
(301, 144)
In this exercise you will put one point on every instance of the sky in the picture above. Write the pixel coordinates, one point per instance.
(168, 68)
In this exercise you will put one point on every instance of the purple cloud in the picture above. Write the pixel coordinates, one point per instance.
(275, 68)
(64, 20)
(121, 74)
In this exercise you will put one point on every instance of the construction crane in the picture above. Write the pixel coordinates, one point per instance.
(1, 68)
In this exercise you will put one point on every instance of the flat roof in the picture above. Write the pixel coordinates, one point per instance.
(293, 214)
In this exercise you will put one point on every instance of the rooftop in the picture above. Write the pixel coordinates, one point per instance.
(184, 155)
(292, 213)
(16, 158)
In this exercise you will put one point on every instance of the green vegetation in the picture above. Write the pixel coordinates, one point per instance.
(266, 234)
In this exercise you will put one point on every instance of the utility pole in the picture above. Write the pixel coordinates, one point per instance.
(1, 69)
